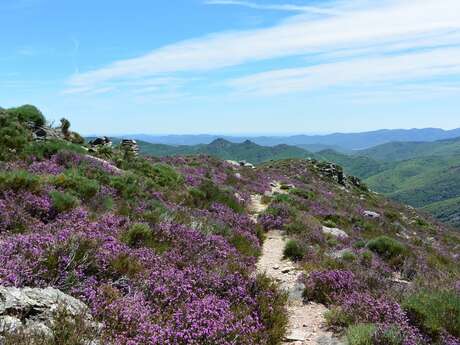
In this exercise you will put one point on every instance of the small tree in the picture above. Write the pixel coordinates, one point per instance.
(65, 126)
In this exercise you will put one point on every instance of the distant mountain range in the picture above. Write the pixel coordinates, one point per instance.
(342, 142)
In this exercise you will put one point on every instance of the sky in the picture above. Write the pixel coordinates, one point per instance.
(233, 67)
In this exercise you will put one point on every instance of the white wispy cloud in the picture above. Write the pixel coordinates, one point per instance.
(362, 71)
(391, 26)
(275, 7)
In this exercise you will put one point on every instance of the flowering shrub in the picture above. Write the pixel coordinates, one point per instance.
(270, 221)
(328, 286)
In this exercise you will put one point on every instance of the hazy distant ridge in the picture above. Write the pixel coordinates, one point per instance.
(337, 141)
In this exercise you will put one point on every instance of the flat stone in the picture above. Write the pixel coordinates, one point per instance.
(335, 232)
(371, 214)
(296, 335)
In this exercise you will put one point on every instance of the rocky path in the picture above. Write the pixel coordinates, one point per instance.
(306, 321)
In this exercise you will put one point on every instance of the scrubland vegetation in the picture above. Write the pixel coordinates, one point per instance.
(162, 250)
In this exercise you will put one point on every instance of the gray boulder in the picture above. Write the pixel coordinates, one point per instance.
(32, 311)
(371, 214)
(334, 232)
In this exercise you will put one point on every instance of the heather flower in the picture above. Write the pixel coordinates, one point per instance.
(328, 286)
(269, 221)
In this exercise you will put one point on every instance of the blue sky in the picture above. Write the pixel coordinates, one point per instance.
(222, 66)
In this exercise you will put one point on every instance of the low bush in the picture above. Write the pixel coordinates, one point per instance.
(208, 193)
(272, 307)
(327, 286)
(361, 334)
(48, 148)
(141, 235)
(63, 202)
(388, 335)
(349, 257)
(84, 187)
(303, 193)
(434, 312)
(366, 258)
(162, 175)
(244, 245)
(126, 266)
(294, 251)
(28, 113)
(336, 319)
(387, 247)
(13, 136)
(19, 180)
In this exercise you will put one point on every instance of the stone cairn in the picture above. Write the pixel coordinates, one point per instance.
(130, 147)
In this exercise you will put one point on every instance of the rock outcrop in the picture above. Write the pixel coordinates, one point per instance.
(32, 311)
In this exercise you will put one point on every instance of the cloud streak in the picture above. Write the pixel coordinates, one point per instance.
(272, 7)
(394, 27)
(402, 68)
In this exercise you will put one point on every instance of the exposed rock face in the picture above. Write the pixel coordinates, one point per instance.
(335, 232)
(332, 171)
(371, 214)
(246, 164)
(101, 141)
(33, 310)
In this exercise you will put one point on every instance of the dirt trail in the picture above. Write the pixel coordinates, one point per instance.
(306, 321)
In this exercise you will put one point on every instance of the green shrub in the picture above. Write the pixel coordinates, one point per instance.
(272, 308)
(208, 193)
(294, 251)
(282, 198)
(366, 258)
(361, 334)
(141, 235)
(138, 235)
(359, 244)
(84, 187)
(295, 227)
(128, 185)
(303, 193)
(160, 174)
(434, 312)
(48, 148)
(244, 246)
(13, 136)
(392, 216)
(337, 319)
(63, 202)
(125, 265)
(387, 247)
(19, 180)
(329, 223)
(389, 336)
(349, 257)
(28, 113)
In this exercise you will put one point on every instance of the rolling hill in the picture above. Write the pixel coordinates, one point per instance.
(223, 149)
(422, 174)
(399, 151)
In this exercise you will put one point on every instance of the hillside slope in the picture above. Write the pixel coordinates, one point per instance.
(398, 151)
(163, 250)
